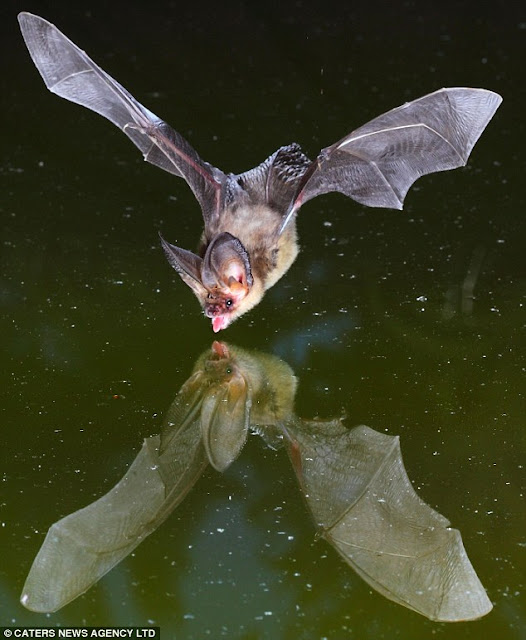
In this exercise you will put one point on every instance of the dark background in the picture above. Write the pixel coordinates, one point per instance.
(369, 316)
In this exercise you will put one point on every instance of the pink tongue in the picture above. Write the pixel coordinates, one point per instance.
(218, 323)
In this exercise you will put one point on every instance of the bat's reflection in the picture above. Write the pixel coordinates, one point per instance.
(354, 483)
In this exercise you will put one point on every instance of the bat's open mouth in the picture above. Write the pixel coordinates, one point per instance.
(219, 322)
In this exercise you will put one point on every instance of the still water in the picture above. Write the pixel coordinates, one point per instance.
(98, 333)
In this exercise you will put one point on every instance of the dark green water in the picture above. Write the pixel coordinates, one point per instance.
(371, 316)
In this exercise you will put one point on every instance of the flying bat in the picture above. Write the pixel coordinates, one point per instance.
(353, 480)
(249, 239)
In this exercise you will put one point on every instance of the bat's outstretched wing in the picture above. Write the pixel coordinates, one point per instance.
(79, 549)
(71, 74)
(206, 423)
(377, 164)
(360, 496)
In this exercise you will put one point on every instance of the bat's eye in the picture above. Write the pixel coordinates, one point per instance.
(229, 302)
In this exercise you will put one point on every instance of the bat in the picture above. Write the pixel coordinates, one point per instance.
(249, 239)
(353, 480)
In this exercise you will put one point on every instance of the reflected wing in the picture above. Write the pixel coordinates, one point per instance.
(377, 164)
(360, 496)
(79, 549)
(71, 74)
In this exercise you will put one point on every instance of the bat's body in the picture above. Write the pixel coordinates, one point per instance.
(249, 238)
(269, 256)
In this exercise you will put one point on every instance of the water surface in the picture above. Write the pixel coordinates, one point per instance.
(98, 333)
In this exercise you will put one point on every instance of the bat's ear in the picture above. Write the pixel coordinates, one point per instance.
(226, 264)
(187, 265)
(224, 421)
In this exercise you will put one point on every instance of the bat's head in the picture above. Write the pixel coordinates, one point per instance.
(221, 280)
(222, 304)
